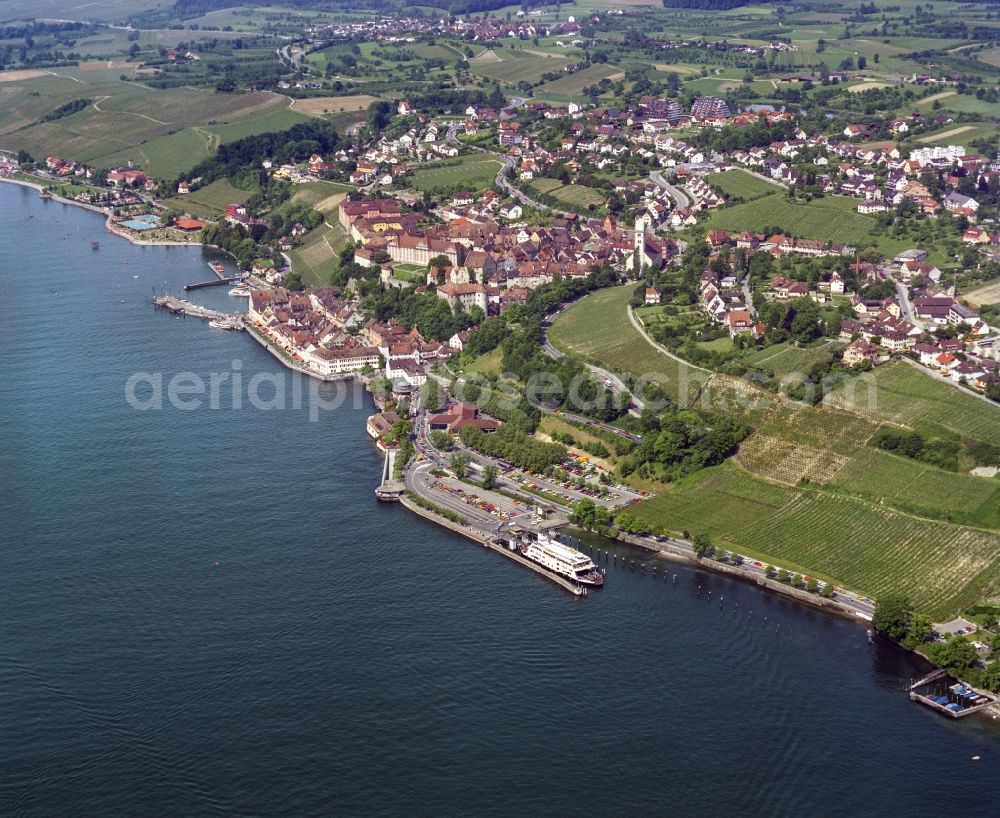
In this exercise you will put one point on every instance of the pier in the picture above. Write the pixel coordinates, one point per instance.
(215, 282)
(179, 306)
(390, 489)
(950, 696)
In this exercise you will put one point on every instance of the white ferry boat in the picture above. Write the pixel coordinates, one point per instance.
(563, 560)
(241, 291)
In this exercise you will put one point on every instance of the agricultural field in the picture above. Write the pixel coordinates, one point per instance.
(786, 359)
(831, 218)
(512, 67)
(597, 328)
(164, 132)
(876, 550)
(474, 174)
(920, 488)
(316, 258)
(209, 202)
(903, 394)
(987, 294)
(714, 501)
(741, 184)
(574, 196)
(572, 85)
(321, 106)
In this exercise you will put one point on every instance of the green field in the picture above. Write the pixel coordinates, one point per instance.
(597, 328)
(474, 174)
(163, 132)
(832, 218)
(576, 197)
(572, 85)
(901, 393)
(786, 359)
(211, 201)
(851, 542)
(517, 66)
(741, 184)
(316, 258)
(920, 488)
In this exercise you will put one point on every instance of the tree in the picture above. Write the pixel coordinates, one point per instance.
(430, 395)
(920, 631)
(702, 545)
(893, 615)
(458, 464)
(293, 280)
(956, 655)
(490, 476)
(441, 440)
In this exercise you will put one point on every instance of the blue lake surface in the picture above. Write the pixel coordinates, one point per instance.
(205, 611)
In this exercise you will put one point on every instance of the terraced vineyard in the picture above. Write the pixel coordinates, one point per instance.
(792, 359)
(923, 489)
(900, 393)
(876, 550)
(590, 329)
(716, 502)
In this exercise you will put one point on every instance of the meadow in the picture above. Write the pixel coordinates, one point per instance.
(578, 197)
(571, 85)
(987, 294)
(831, 218)
(741, 184)
(903, 394)
(209, 202)
(474, 174)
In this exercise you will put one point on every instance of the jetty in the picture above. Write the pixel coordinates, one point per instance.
(950, 696)
(180, 306)
(215, 282)
(390, 489)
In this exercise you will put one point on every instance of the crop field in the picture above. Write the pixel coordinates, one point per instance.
(209, 202)
(987, 294)
(876, 550)
(159, 130)
(901, 393)
(474, 175)
(597, 328)
(577, 196)
(921, 488)
(319, 106)
(316, 258)
(741, 184)
(829, 219)
(714, 501)
(513, 69)
(573, 84)
(791, 360)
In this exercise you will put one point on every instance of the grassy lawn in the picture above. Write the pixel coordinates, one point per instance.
(575, 196)
(475, 175)
(572, 85)
(488, 364)
(741, 184)
(790, 359)
(902, 394)
(831, 218)
(597, 328)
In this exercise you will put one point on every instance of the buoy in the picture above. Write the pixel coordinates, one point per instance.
(975, 758)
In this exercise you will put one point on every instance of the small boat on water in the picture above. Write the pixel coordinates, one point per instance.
(223, 323)
(217, 267)
(95, 245)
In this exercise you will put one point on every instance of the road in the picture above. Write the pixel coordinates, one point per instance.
(418, 478)
(503, 184)
(659, 347)
(681, 199)
(903, 297)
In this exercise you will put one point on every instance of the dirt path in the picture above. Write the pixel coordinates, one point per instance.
(129, 113)
(936, 97)
(937, 137)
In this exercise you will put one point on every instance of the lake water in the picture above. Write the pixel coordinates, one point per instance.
(205, 611)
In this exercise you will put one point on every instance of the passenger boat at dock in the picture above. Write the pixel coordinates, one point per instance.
(241, 291)
(562, 560)
(217, 267)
